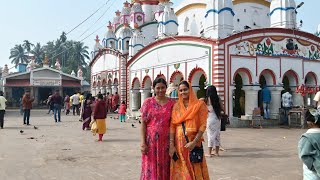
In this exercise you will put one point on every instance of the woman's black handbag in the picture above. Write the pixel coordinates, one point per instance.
(196, 155)
(224, 122)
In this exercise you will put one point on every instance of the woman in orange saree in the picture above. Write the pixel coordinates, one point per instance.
(193, 113)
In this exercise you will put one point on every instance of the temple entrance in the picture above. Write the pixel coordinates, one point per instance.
(44, 93)
(238, 98)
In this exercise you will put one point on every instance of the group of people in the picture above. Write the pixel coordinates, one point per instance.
(172, 132)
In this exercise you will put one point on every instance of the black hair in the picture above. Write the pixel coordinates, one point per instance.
(88, 97)
(309, 117)
(1, 93)
(184, 83)
(123, 102)
(214, 99)
(159, 80)
(100, 96)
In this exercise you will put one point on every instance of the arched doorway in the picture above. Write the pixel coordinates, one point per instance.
(176, 77)
(290, 81)
(238, 97)
(135, 95)
(311, 82)
(242, 79)
(198, 79)
(146, 88)
(267, 78)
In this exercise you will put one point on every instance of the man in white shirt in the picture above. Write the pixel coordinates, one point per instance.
(286, 105)
(317, 99)
(75, 99)
(2, 109)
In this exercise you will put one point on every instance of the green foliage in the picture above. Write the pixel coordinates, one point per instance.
(71, 54)
(18, 55)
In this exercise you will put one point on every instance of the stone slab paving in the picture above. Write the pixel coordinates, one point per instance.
(62, 151)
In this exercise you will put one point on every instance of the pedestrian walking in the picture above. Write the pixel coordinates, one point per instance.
(75, 101)
(122, 111)
(188, 123)
(67, 104)
(309, 148)
(27, 106)
(214, 120)
(2, 109)
(86, 111)
(286, 105)
(50, 104)
(100, 115)
(57, 102)
(155, 126)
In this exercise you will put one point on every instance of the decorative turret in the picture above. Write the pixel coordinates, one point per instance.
(5, 71)
(218, 19)
(97, 46)
(73, 73)
(32, 64)
(80, 73)
(136, 42)
(116, 20)
(57, 65)
(46, 61)
(159, 11)
(136, 15)
(125, 13)
(168, 22)
(123, 40)
(110, 39)
(283, 14)
(148, 7)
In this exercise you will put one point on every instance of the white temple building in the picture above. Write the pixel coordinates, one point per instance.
(235, 45)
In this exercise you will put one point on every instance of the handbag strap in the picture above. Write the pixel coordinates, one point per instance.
(184, 132)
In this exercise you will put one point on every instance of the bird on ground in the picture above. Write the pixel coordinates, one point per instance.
(35, 127)
(21, 131)
(139, 122)
(132, 125)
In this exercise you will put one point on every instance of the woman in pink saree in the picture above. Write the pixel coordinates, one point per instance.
(156, 114)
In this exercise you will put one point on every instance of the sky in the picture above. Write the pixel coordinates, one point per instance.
(44, 20)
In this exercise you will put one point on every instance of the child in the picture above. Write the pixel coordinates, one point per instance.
(309, 146)
(122, 111)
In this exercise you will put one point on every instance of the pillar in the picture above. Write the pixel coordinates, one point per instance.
(145, 93)
(231, 101)
(251, 99)
(135, 100)
(275, 103)
(109, 90)
(114, 89)
(103, 89)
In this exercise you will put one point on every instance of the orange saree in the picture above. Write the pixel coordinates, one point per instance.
(195, 118)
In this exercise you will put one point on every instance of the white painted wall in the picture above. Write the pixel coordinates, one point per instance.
(196, 15)
(244, 62)
(105, 62)
(250, 13)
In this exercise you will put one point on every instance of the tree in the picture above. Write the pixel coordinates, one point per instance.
(27, 45)
(81, 53)
(38, 53)
(17, 54)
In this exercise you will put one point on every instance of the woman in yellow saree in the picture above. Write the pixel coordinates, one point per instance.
(193, 113)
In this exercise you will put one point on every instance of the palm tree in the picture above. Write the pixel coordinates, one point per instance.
(38, 53)
(27, 45)
(81, 53)
(17, 54)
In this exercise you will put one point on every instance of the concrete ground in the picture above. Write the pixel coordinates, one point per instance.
(63, 151)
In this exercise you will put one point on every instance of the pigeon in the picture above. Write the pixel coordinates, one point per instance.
(132, 125)
(139, 122)
(21, 131)
(35, 127)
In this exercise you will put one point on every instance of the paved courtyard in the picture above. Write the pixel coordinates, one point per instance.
(64, 152)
